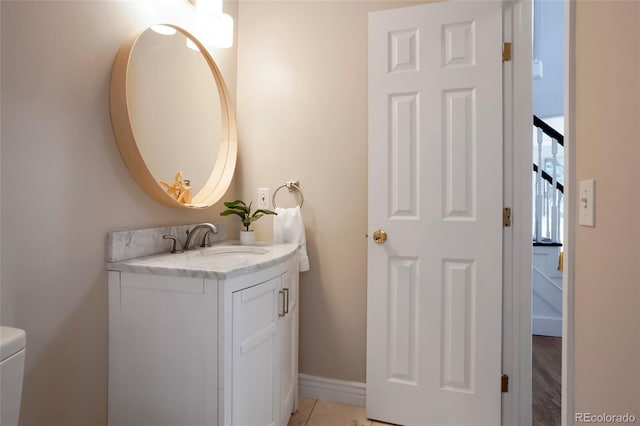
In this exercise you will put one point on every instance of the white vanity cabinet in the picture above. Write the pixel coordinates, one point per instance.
(187, 350)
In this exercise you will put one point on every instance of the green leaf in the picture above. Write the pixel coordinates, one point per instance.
(237, 210)
(255, 217)
(234, 203)
(265, 211)
(242, 214)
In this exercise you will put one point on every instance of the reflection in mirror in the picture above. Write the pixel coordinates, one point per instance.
(174, 108)
(172, 118)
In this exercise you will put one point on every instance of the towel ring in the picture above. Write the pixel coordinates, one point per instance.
(291, 186)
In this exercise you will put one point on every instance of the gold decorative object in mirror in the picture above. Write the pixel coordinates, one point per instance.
(172, 118)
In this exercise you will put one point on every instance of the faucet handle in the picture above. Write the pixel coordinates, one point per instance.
(174, 245)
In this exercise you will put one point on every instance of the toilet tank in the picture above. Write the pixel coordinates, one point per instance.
(12, 350)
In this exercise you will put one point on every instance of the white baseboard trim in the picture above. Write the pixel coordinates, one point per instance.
(353, 393)
(545, 326)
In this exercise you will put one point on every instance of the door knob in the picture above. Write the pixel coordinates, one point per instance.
(379, 236)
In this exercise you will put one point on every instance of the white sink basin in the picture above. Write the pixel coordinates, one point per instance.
(227, 257)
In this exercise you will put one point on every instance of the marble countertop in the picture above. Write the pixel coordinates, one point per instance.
(220, 261)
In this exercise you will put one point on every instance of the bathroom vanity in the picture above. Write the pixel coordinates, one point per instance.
(205, 337)
(208, 336)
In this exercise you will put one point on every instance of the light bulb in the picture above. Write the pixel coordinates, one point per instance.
(226, 31)
(209, 7)
(217, 30)
(163, 29)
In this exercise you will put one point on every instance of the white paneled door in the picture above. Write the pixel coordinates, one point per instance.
(435, 189)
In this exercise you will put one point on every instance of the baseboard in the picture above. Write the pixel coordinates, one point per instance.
(544, 326)
(353, 393)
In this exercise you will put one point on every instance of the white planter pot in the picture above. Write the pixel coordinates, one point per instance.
(247, 237)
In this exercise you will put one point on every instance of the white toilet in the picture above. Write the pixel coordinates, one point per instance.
(12, 348)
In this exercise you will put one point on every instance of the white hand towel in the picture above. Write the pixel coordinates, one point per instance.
(288, 227)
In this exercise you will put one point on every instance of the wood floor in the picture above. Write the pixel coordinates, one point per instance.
(546, 380)
(547, 356)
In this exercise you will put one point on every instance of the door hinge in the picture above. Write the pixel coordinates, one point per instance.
(506, 217)
(504, 383)
(506, 51)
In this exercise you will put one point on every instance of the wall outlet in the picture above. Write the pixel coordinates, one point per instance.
(263, 198)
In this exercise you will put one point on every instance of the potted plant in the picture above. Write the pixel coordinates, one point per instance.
(240, 208)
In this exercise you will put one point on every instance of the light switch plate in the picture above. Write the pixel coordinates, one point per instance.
(587, 203)
(263, 198)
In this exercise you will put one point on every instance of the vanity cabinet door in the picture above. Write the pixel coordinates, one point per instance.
(288, 346)
(162, 350)
(255, 381)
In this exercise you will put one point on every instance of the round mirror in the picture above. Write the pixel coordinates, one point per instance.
(172, 118)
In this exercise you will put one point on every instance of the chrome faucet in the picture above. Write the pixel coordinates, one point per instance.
(210, 227)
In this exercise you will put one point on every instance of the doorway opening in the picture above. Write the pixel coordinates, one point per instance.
(547, 210)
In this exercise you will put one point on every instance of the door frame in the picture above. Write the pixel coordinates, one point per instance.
(518, 110)
(516, 407)
(567, 416)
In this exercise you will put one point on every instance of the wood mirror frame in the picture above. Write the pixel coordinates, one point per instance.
(225, 162)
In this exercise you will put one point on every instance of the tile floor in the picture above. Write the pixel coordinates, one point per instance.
(315, 412)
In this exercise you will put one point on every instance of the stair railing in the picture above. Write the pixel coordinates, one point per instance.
(548, 190)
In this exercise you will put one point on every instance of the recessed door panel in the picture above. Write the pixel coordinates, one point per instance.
(459, 149)
(403, 155)
(458, 328)
(403, 50)
(404, 319)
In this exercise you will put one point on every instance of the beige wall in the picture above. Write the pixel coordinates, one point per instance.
(302, 114)
(64, 186)
(607, 263)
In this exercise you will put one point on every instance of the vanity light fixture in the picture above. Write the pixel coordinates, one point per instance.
(216, 27)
